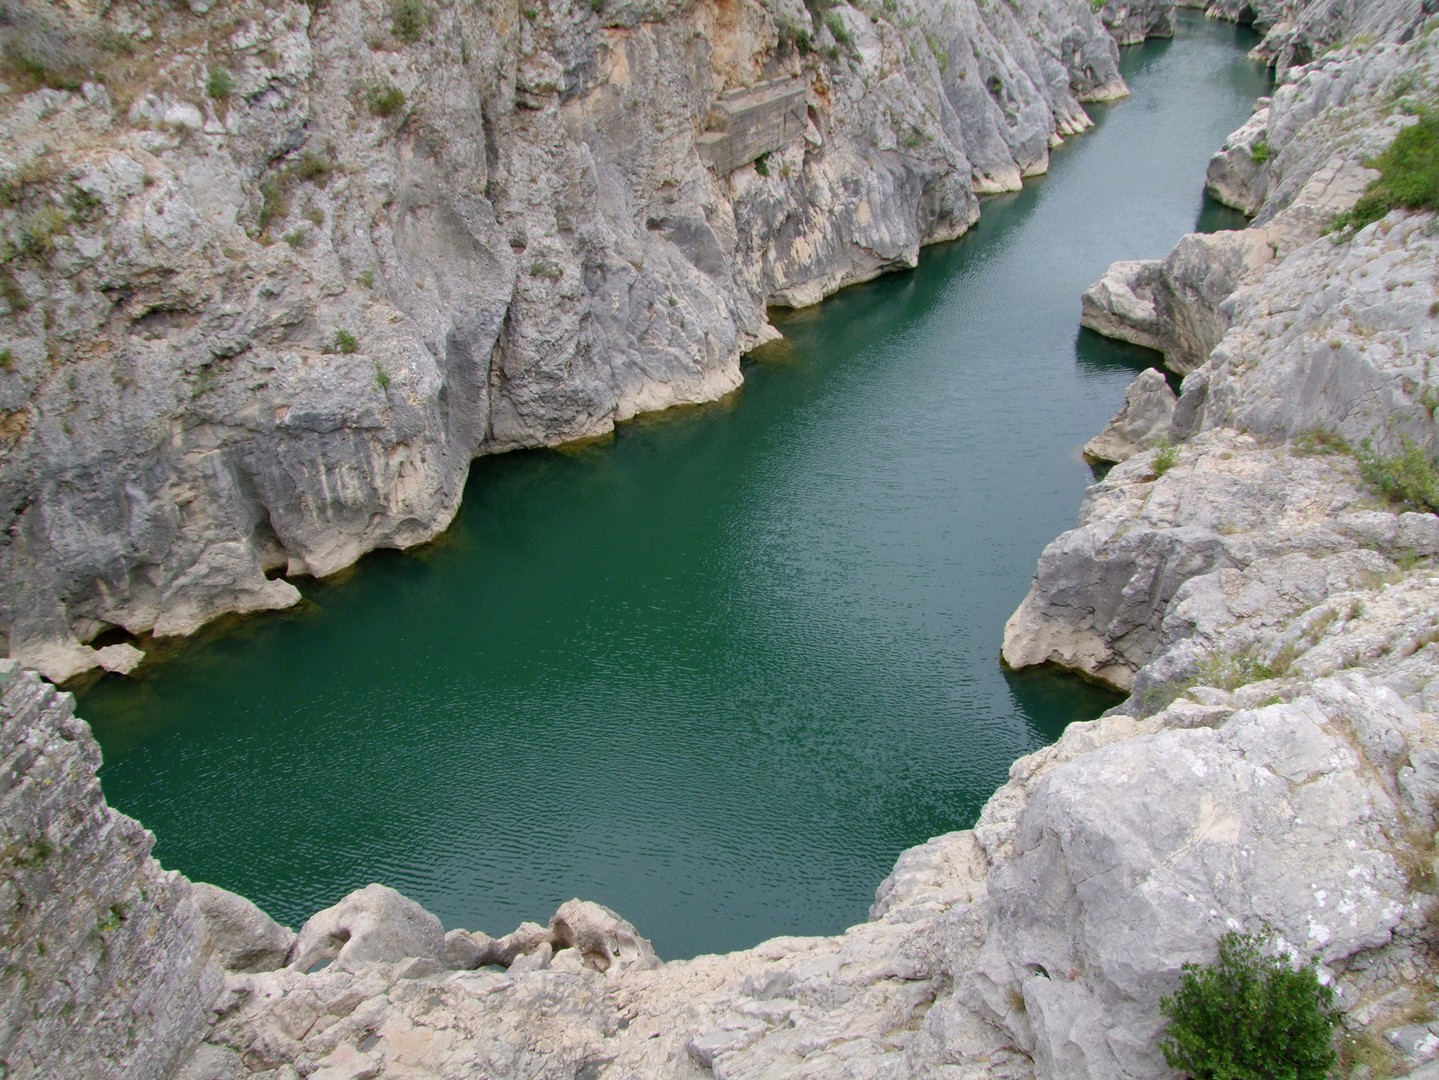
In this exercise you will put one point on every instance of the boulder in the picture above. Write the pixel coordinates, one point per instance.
(1141, 423)
(239, 934)
(523, 940)
(374, 925)
(465, 950)
(605, 942)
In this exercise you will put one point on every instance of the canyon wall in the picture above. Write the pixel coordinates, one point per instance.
(274, 274)
(1276, 765)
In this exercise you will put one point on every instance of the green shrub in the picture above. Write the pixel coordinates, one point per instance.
(1407, 477)
(1259, 152)
(1410, 179)
(345, 342)
(383, 99)
(382, 377)
(274, 203)
(761, 164)
(408, 19)
(1250, 1016)
(1165, 460)
(312, 168)
(836, 26)
(220, 84)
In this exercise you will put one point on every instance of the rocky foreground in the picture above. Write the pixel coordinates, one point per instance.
(1274, 619)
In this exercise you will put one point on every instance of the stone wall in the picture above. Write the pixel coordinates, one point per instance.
(747, 124)
(105, 974)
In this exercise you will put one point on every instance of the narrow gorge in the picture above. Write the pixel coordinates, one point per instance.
(276, 279)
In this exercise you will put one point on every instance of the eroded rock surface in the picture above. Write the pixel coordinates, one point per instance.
(277, 275)
(106, 973)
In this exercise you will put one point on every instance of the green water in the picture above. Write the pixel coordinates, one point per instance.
(719, 673)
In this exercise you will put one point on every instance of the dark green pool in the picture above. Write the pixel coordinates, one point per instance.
(718, 674)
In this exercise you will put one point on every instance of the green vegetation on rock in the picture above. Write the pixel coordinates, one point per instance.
(1250, 1016)
(1410, 177)
(1408, 477)
(408, 19)
(384, 99)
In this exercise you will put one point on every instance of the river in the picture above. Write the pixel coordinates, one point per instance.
(717, 672)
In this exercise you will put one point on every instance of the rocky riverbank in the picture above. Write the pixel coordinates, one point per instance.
(274, 274)
(1277, 762)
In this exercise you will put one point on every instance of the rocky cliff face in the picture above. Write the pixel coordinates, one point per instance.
(1242, 552)
(106, 973)
(1277, 763)
(274, 274)
(1296, 344)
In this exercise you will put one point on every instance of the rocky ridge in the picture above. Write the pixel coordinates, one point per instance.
(274, 274)
(1240, 550)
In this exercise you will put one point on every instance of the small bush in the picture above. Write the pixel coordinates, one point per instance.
(383, 99)
(836, 26)
(1410, 179)
(312, 168)
(761, 164)
(274, 203)
(409, 19)
(295, 239)
(1165, 460)
(345, 342)
(1319, 441)
(220, 84)
(1407, 477)
(1250, 1016)
(1259, 152)
(382, 377)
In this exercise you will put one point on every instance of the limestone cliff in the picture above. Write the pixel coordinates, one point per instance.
(106, 974)
(274, 274)
(1277, 763)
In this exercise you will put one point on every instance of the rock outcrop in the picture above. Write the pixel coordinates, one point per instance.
(274, 274)
(106, 974)
(1296, 346)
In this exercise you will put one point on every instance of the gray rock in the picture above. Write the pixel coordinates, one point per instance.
(372, 925)
(521, 941)
(604, 941)
(241, 936)
(464, 950)
(1142, 423)
(106, 972)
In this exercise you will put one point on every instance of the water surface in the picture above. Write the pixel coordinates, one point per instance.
(718, 673)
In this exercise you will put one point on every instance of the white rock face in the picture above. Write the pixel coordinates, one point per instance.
(1143, 422)
(371, 925)
(262, 325)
